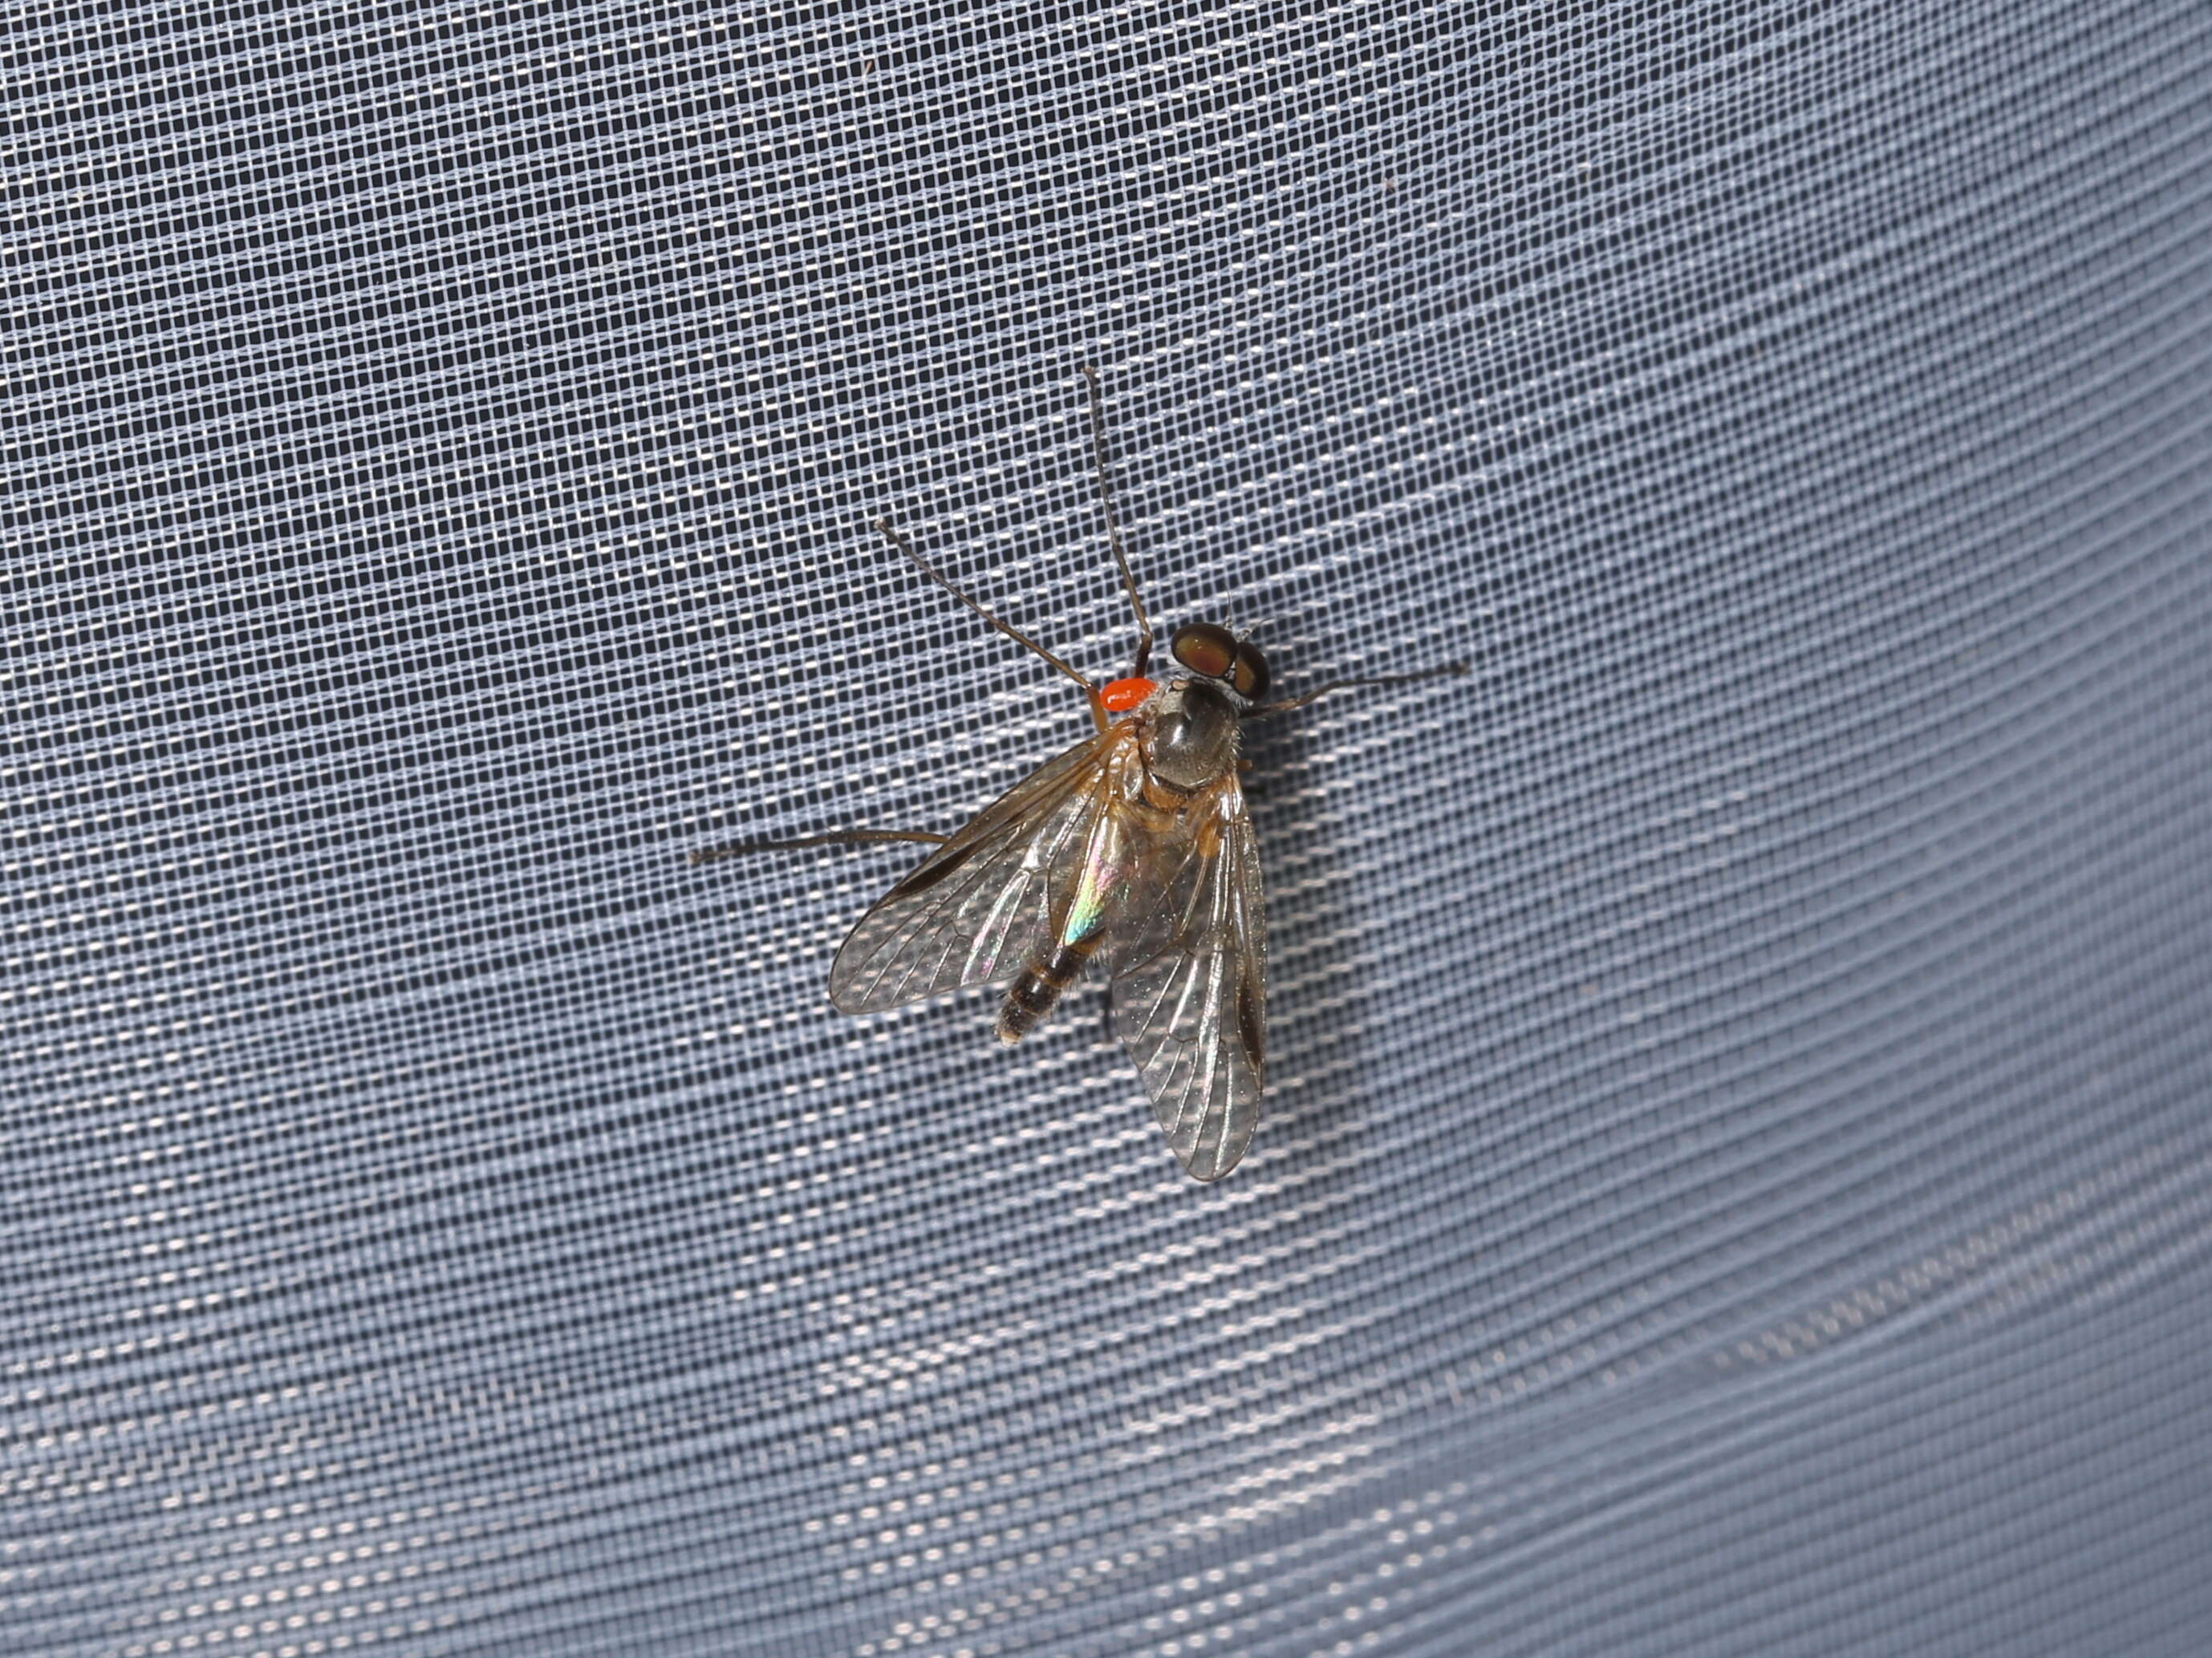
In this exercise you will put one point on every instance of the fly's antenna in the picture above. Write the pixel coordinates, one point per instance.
(1113, 528)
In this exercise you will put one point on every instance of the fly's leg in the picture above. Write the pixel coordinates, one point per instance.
(1106, 1031)
(1090, 691)
(1450, 670)
(1113, 526)
(838, 838)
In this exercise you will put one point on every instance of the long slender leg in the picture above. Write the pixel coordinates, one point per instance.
(1114, 529)
(1108, 1036)
(1089, 691)
(840, 838)
(1449, 669)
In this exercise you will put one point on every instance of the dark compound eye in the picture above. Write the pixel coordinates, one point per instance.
(1247, 675)
(1205, 649)
(1217, 653)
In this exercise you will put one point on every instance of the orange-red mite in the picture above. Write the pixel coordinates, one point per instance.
(1120, 695)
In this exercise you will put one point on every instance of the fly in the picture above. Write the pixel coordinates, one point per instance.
(1131, 851)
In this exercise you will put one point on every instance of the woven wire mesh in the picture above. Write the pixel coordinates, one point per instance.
(1734, 1178)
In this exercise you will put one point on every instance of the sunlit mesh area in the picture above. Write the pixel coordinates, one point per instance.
(1735, 1176)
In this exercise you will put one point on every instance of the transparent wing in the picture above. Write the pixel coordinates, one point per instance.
(1189, 993)
(976, 909)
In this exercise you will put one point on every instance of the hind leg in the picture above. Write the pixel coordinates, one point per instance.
(841, 838)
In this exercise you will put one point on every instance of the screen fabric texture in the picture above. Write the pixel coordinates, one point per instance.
(1734, 1173)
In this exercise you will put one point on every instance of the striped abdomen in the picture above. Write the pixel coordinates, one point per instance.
(1030, 997)
(1080, 923)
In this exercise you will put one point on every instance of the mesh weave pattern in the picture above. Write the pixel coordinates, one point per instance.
(1734, 1179)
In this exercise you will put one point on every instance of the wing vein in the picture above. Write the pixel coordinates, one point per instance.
(1189, 984)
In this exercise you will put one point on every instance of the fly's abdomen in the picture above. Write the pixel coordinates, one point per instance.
(1098, 892)
(1033, 995)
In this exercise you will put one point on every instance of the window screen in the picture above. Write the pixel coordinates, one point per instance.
(1734, 1174)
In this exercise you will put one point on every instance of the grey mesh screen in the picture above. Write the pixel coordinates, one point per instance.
(1734, 1178)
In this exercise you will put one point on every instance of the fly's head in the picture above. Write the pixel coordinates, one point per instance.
(1213, 653)
(1207, 652)
(1190, 723)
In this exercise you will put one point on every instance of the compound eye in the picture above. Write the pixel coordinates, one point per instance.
(1247, 675)
(1205, 649)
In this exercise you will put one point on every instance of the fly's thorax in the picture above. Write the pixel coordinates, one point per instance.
(1190, 736)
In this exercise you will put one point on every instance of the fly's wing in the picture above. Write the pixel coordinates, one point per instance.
(1189, 998)
(975, 909)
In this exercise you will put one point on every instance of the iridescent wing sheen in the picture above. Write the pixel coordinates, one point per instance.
(1189, 993)
(976, 909)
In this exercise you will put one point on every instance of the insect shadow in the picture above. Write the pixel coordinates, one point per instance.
(1326, 1009)
(1134, 850)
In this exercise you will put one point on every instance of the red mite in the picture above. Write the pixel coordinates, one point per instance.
(1132, 850)
(1120, 695)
